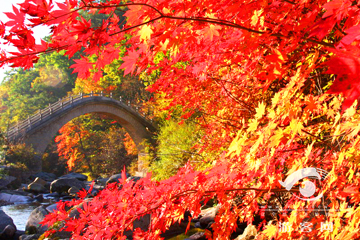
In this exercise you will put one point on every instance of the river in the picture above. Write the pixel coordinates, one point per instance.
(20, 213)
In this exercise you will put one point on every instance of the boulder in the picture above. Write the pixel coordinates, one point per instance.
(176, 230)
(197, 225)
(36, 216)
(78, 176)
(208, 216)
(101, 181)
(6, 180)
(115, 178)
(249, 233)
(36, 188)
(60, 235)
(133, 178)
(51, 208)
(64, 184)
(39, 181)
(18, 234)
(8, 232)
(197, 236)
(98, 187)
(30, 237)
(143, 223)
(74, 212)
(54, 195)
(16, 192)
(49, 177)
(14, 198)
(73, 191)
(39, 198)
(5, 221)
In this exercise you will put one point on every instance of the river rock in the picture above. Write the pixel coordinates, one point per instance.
(49, 177)
(115, 178)
(5, 221)
(18, 234)
(175, 230)
(17, 192)
(249, 233)
(30, 237)
(133, 178)
(197, 225)
(39, 198)
(74, 212)
(73, 191)
(14, 198)
(61, 235)
(51, 208)
(78, 176)
(39, 181)
(6, 180)
(208, 216)
(36, 216)
(36, 188)
(197, 236)
(143, 223)
(8, 232)
(101, 181)
(54, 195)
(64, 184)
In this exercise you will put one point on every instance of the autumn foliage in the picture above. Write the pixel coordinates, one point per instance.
(274, 84)
(95, 144)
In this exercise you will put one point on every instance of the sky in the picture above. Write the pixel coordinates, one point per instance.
(40, 32)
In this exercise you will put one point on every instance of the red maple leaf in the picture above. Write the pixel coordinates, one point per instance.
(347, 68)
(107, 57)
(130, 62)
(63, 12)
(2, 29)
(36, 8)
(17, 19)
(133, 14)
(353, 34)
(82, 67)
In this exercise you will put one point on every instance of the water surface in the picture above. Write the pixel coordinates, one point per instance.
(20, 213)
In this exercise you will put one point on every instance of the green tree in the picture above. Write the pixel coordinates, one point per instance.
(175, 144)
(23, 92)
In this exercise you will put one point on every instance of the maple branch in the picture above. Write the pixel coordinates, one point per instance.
(122, 5)
(248, 108)
(320, 42)
(289, 2)
(199, 19)
(214, 21)
(325, 141)
(294, 149)
(136, 26)
(50, 50)
(192, 191)
(227, 120)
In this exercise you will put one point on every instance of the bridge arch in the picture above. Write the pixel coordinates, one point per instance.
(40, 129)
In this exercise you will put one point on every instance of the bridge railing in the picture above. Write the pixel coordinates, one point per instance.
(41, 114)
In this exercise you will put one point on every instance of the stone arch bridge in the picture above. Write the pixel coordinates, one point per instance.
(39, 129)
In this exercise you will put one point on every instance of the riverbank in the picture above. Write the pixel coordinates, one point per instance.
(26, 207)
